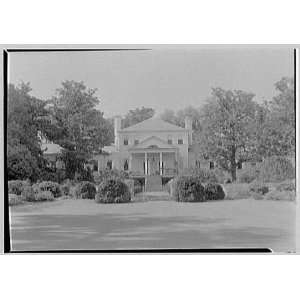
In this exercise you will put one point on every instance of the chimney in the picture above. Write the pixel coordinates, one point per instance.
(188, 124)
(117, 127)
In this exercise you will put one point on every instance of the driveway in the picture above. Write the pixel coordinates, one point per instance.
(85, 225)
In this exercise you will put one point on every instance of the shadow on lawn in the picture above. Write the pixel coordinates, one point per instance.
(67, 232)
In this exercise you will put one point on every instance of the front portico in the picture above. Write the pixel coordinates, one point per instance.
(153, 157)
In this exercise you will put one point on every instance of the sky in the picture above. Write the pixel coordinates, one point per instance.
(157, 78)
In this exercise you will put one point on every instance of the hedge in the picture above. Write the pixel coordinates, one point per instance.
(14, 199)
(16, 186)
(44, 196)
(113, 191)
(214, 191)
(258, 187)
(28, 194)
(203, 175)
(48, 186)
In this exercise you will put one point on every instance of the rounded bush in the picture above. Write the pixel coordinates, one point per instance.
(48, 186)
(258, 187)
(202, 174)
(85, 190)
(281, 195)
(14, 199)
(28, 194)
(189, 189)
(44, 196)
(113, 191)
(16, 186)
(214, 191)
(103, 175)
(276, 169)
(286, 186)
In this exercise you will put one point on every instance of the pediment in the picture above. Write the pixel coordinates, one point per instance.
(153, 142)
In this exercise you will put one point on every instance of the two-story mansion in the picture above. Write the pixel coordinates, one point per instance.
(150, 150)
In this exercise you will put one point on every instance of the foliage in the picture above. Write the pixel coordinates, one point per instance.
(278, 133)
(28, 194)
(281, 195)
(189, 189)
(24, 123)
(16, 186)
(110, 174)
(77, 125)
(258, 187)
(229, 128)
(14, 199)
(286, 186)
(214, 191)
(50, 186)
(65, 189)
(113, 191)
(276, 169)
(44, 196)
(202, 174)
(85, 175)
(137, 115)
(85, 190)
(248, 175)
(178, 118)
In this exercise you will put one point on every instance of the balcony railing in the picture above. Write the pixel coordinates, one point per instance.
(163, 171)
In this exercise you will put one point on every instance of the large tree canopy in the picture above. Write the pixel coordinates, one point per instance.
(229, 128)
(137, 115)
(24, 122)
(77, 125)
(278, 136)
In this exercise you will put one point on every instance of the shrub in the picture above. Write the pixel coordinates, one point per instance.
(258, 187)
(203, 175)
(28, 194)
(214, 191)
(113, 191)
(189, 189)
(44, 196)
(49, 186)
(237, 191)
(286, 186)
(65, 189)
(85, 190)
(16, 186)
(14, 199)
(281, 195)
(276, 169)
(110, 174)
(248, 175)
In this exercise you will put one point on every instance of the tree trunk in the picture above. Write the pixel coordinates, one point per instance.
(233, 164)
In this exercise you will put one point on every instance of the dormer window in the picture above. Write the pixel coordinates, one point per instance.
(180, 141)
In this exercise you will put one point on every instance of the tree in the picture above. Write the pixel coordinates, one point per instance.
(77, 125)
(24, 122)
(278, 136)
(229, 123)
(137, 115)
(179, 118)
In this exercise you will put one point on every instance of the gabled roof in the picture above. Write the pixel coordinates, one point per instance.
(153, 124)
(152, 142)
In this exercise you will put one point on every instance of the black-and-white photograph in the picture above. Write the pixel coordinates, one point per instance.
(151, 148)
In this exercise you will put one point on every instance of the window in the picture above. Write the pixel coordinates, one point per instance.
(169, 141)
(95, 167)
(180, 141)
(239, 165)
(136, 142)
(125, 142)
(211, 165)
(126, 165)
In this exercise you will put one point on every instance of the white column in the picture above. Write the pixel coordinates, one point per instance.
(160, 163)
(146, 164)
(130, 162)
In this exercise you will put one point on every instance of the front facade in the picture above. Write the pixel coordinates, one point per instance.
(150, 148)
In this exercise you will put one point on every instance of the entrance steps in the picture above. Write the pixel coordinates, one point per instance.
(153, 183)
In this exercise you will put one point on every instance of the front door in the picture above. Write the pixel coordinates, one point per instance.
(153, 163)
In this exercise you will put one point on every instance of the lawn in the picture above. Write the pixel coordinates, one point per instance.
(83, 224)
